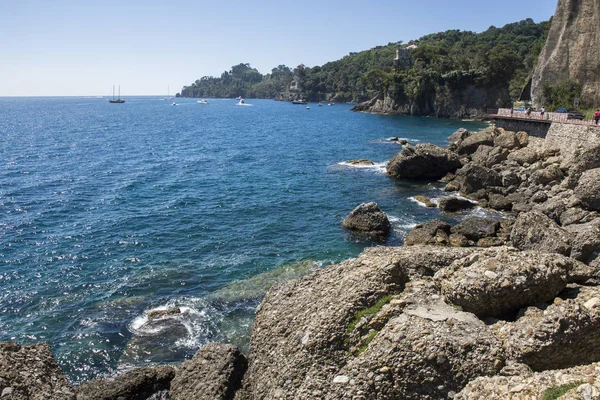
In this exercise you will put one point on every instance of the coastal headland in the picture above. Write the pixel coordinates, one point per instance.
(502, 307)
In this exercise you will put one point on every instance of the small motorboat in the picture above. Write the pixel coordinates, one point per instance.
(241, 102)
(174, 104)
(308, 107)
(298, 101)
(202, 101)
(320, 105)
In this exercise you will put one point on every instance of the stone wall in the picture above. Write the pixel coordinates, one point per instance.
(533, 128)
(572, 139)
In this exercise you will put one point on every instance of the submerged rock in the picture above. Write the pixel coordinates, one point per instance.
(368, 219)
(361, 161)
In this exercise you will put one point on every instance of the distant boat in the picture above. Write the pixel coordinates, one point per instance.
(307, 107)
(117, 100)
(174, 104)
(168, 95)
(202, 101)
(241, 101)
(320, 105)
(299, 101)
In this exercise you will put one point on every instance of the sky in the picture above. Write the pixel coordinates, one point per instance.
(84, 47)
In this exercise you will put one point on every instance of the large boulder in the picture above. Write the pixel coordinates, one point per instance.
(474, 177)
(31, 372)
(454, 204)
(526, 155)
(423, 161)
(507, 140)
(561, 335)
(137, 384)
(433, 232)
(588, 190)
(310, 334)
(457, 137)
(470, 144)
(535, 231)
(476, 228)
(215, 372)
(368, 219)
(589, 159)
(498, 285)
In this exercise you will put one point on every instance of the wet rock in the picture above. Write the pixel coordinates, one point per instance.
(215, 372)
(499, 202)
(361, 161)
(588, 190)
(535, 231)
(495, 286)
(561, 335)
(423, 161)
(431, 233)
(454, 204)
(368, 219)
(137, 384)
(425, 201)
(477, 228)
(471, 143)
(157, 314)
(31, 372)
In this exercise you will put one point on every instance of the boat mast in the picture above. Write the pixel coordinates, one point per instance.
(119, 92)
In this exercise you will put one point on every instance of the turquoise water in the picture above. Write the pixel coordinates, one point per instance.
(108, 211)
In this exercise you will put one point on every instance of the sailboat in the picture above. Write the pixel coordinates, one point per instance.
(168, 96)
(117, 100)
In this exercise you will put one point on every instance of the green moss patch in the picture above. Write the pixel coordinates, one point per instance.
(554, 393)
(373, 310)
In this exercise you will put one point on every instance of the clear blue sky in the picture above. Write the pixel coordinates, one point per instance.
(83, 47)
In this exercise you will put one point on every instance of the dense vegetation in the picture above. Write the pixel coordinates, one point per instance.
(499, 57)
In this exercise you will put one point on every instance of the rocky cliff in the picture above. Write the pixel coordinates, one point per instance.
(469, 102)
(572, 50)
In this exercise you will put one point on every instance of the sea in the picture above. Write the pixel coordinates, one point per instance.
(111, 211)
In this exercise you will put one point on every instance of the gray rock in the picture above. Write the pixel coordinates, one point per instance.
(576, 215)
(362, 161)
(470, 144)
(547, 175)
(431, 232)
(31, 372)
(507, 140)
(477, 228)
(215, 372)
(454, 204)
(589, 159)
(526, 155)
(137, 384)
(561, 335)
(368, 219)
(523, 138)
(588, 190)
(586, 245)
(480, 156)
(535, 231)
(496, 156)
(499, 202)
(423, 161)
(426, 350)
(426, 201)
(457, 137)
(476, 177)
(494, 286)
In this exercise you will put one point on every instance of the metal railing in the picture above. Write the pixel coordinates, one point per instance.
(537, 115)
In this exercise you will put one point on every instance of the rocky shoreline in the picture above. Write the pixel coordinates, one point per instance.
(490, 308)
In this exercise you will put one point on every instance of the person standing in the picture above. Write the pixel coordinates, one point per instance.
(597, 116)
(542, 112)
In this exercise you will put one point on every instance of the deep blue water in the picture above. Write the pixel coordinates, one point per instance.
(108, 211)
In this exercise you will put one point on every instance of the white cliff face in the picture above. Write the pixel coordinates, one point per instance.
(572, 50)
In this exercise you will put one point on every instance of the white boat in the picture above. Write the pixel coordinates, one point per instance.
(202, 101)
(308, 107)
(241, 101)
(174, 104)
